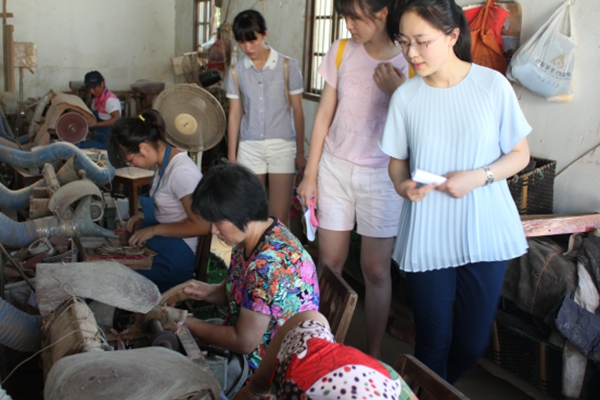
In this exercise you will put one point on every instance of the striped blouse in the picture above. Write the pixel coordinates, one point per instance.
(464, 127)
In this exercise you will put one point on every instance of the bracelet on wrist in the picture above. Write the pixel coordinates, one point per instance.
(489, 174)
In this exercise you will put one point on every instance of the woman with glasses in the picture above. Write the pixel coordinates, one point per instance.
(346, 173)
(461, 121)
(169, 227)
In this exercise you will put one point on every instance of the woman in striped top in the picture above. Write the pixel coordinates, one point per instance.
(461, 121)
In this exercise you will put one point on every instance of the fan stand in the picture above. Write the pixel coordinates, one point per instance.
(196, 158)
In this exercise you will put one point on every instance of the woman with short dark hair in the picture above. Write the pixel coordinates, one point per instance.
(271, 276)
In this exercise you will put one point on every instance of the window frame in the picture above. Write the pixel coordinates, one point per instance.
(308, 66)
(210, 22)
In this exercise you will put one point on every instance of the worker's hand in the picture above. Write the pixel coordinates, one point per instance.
(141, 236)
(133, 223)
(198, 290)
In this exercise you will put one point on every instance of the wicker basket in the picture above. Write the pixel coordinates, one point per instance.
(533, 191)
(527, 355)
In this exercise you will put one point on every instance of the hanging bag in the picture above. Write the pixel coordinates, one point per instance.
(484, 46)
(544, 64)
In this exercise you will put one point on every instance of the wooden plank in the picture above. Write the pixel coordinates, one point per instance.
(557, 224)
(9, 68)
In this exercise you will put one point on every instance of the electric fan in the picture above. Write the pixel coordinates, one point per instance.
(194, 118)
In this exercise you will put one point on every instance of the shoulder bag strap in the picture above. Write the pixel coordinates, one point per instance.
(340, 53)
(286, 79)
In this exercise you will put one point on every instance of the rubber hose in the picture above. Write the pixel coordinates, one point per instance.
(17, 199)
(19, 234)
(54, 152)
(19, 330)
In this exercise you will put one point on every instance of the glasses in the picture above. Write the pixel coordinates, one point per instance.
(129, 161)
(418, 46)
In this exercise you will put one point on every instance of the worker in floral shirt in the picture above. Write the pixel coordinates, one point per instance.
(271, 276)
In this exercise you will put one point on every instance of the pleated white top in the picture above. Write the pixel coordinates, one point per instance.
(465, 127)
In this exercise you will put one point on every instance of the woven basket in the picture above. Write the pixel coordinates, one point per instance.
(533, 191)
(527, 355)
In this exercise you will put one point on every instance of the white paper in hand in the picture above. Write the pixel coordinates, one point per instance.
(310, 219)
(310, 228)
(427, 178)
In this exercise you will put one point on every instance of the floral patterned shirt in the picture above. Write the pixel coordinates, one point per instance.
(279, 279)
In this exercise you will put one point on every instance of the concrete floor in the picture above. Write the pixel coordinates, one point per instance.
(477, 384)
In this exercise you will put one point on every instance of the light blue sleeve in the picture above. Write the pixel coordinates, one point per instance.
(513, 125)
(394, 141)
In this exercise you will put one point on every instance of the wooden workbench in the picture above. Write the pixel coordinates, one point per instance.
(133, 178)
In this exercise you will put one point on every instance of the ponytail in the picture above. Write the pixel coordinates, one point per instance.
(128, 133)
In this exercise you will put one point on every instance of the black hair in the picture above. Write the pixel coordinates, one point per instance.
(347, 8)
(127, 134)
(247, 24)
(230, 192)
(444, 15)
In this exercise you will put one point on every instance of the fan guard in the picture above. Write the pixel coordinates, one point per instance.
(194, 118)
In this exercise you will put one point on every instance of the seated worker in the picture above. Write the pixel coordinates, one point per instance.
(106, 108)
(271, 276)
(304, 361)
(169, 227)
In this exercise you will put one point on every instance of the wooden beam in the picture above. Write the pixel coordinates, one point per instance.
(4, 13)
(557, 224)
(9, 63)
(8, 15)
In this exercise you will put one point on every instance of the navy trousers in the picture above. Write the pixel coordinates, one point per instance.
(454, 309)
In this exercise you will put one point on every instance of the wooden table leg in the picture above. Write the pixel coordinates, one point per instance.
(133, 186)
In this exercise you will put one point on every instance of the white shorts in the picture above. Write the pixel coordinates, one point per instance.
(350, 194)
(273, 156)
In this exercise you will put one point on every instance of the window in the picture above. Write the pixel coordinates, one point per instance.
(323, 27)
(208, 18)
